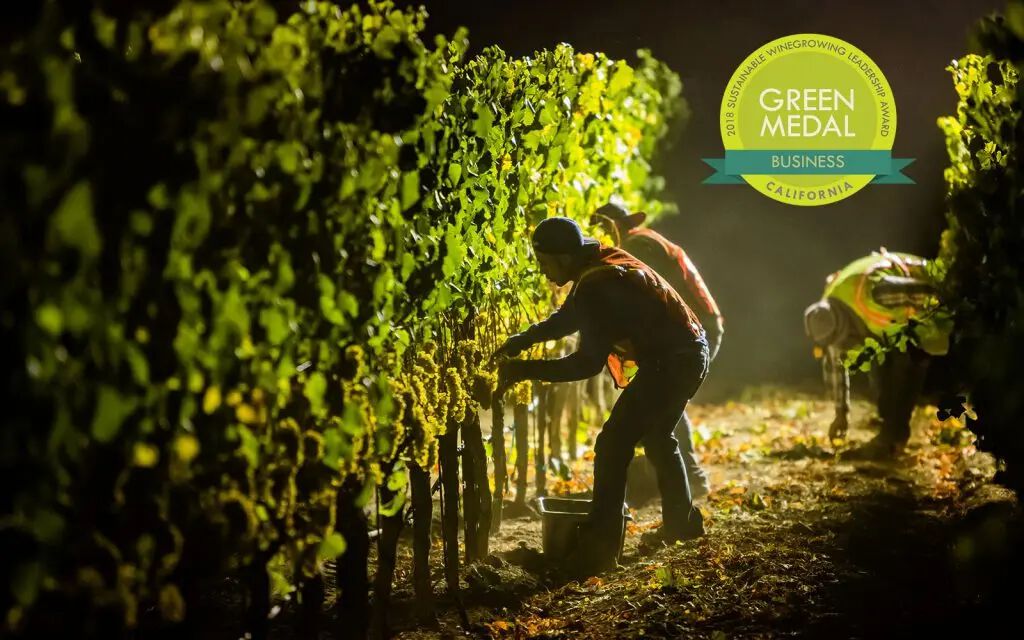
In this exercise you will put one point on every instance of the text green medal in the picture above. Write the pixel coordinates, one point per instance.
(808, 120)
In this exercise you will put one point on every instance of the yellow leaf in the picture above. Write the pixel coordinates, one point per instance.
(246, 414)
(172, 605)
(186, 447)
(145, 455)
(211, 399)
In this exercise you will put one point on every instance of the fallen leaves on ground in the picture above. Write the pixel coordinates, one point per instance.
(785, 522)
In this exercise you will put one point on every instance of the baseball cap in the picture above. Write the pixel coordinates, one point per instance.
(560, 236)
(620, 215)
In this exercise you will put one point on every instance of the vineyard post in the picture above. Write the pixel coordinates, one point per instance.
(521, 417)
(573, 419)
(595, 389)
(540, 457)
(351, 575)
(448, 454)
(422, 510)
(477, 497)
(498, 455)
(311, 596)
(470, 501)
(387, 548)
(558, 403)
(257, 613)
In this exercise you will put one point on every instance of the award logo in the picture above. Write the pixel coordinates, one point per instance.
(808, 120)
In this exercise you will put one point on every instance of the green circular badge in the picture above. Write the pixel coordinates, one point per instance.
(809, 120)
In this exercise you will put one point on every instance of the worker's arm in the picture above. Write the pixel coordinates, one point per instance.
(714, 328)
(558, 325)
(837, 378)
(900, 291)
(585, 362)
(698, 290)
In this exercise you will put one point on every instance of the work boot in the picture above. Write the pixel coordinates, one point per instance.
(662, 537)
(879, 448)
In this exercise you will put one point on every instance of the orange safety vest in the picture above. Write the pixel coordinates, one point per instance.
(695, 283)
(621, 362)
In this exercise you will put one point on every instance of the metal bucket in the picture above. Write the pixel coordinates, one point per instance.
(560, 519)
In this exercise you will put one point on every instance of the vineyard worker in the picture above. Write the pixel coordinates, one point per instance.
(670, 261)
(629, 318)
(871, 297)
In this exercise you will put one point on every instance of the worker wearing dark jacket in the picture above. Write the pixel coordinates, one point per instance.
(670, 262)
(629, 318)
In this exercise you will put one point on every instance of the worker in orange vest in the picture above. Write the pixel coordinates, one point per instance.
(670, 262)
(629, 318)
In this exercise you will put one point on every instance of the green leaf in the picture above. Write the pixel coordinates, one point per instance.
(249, 445)
(385, 42)
(454, 173)
(348, 304)
(314, 391)
(111, 410)
(408, 265)
(137, 362)
(332, 546)
(484, 121)
(26, 581)
(398, 478)
(50, 319)
(410, 189)
(621, 78)
(455, 252)
(48, 526)
(275, 324)
(73, 224)
(289, 154)
(393, 506)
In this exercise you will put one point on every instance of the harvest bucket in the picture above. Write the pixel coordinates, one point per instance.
(560, 518)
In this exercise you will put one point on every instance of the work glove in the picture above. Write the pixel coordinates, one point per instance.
(514, 345)
(509, 373)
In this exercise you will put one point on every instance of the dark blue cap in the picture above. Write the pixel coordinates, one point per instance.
(560, 236)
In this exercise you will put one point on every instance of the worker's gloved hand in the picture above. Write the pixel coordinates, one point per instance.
(515, 345)
(509, 373)
(840, 425)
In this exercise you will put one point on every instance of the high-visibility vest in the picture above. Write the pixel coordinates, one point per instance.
(621, 361)
(854, 285)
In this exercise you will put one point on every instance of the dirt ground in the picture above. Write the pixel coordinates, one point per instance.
(799, 543)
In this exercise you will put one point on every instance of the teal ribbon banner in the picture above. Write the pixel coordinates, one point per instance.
(759, 162)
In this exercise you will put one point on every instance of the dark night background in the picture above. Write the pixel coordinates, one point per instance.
(764, 261)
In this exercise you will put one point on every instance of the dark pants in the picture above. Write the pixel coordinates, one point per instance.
(696, 476)
(898, 383)
(646, 413)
